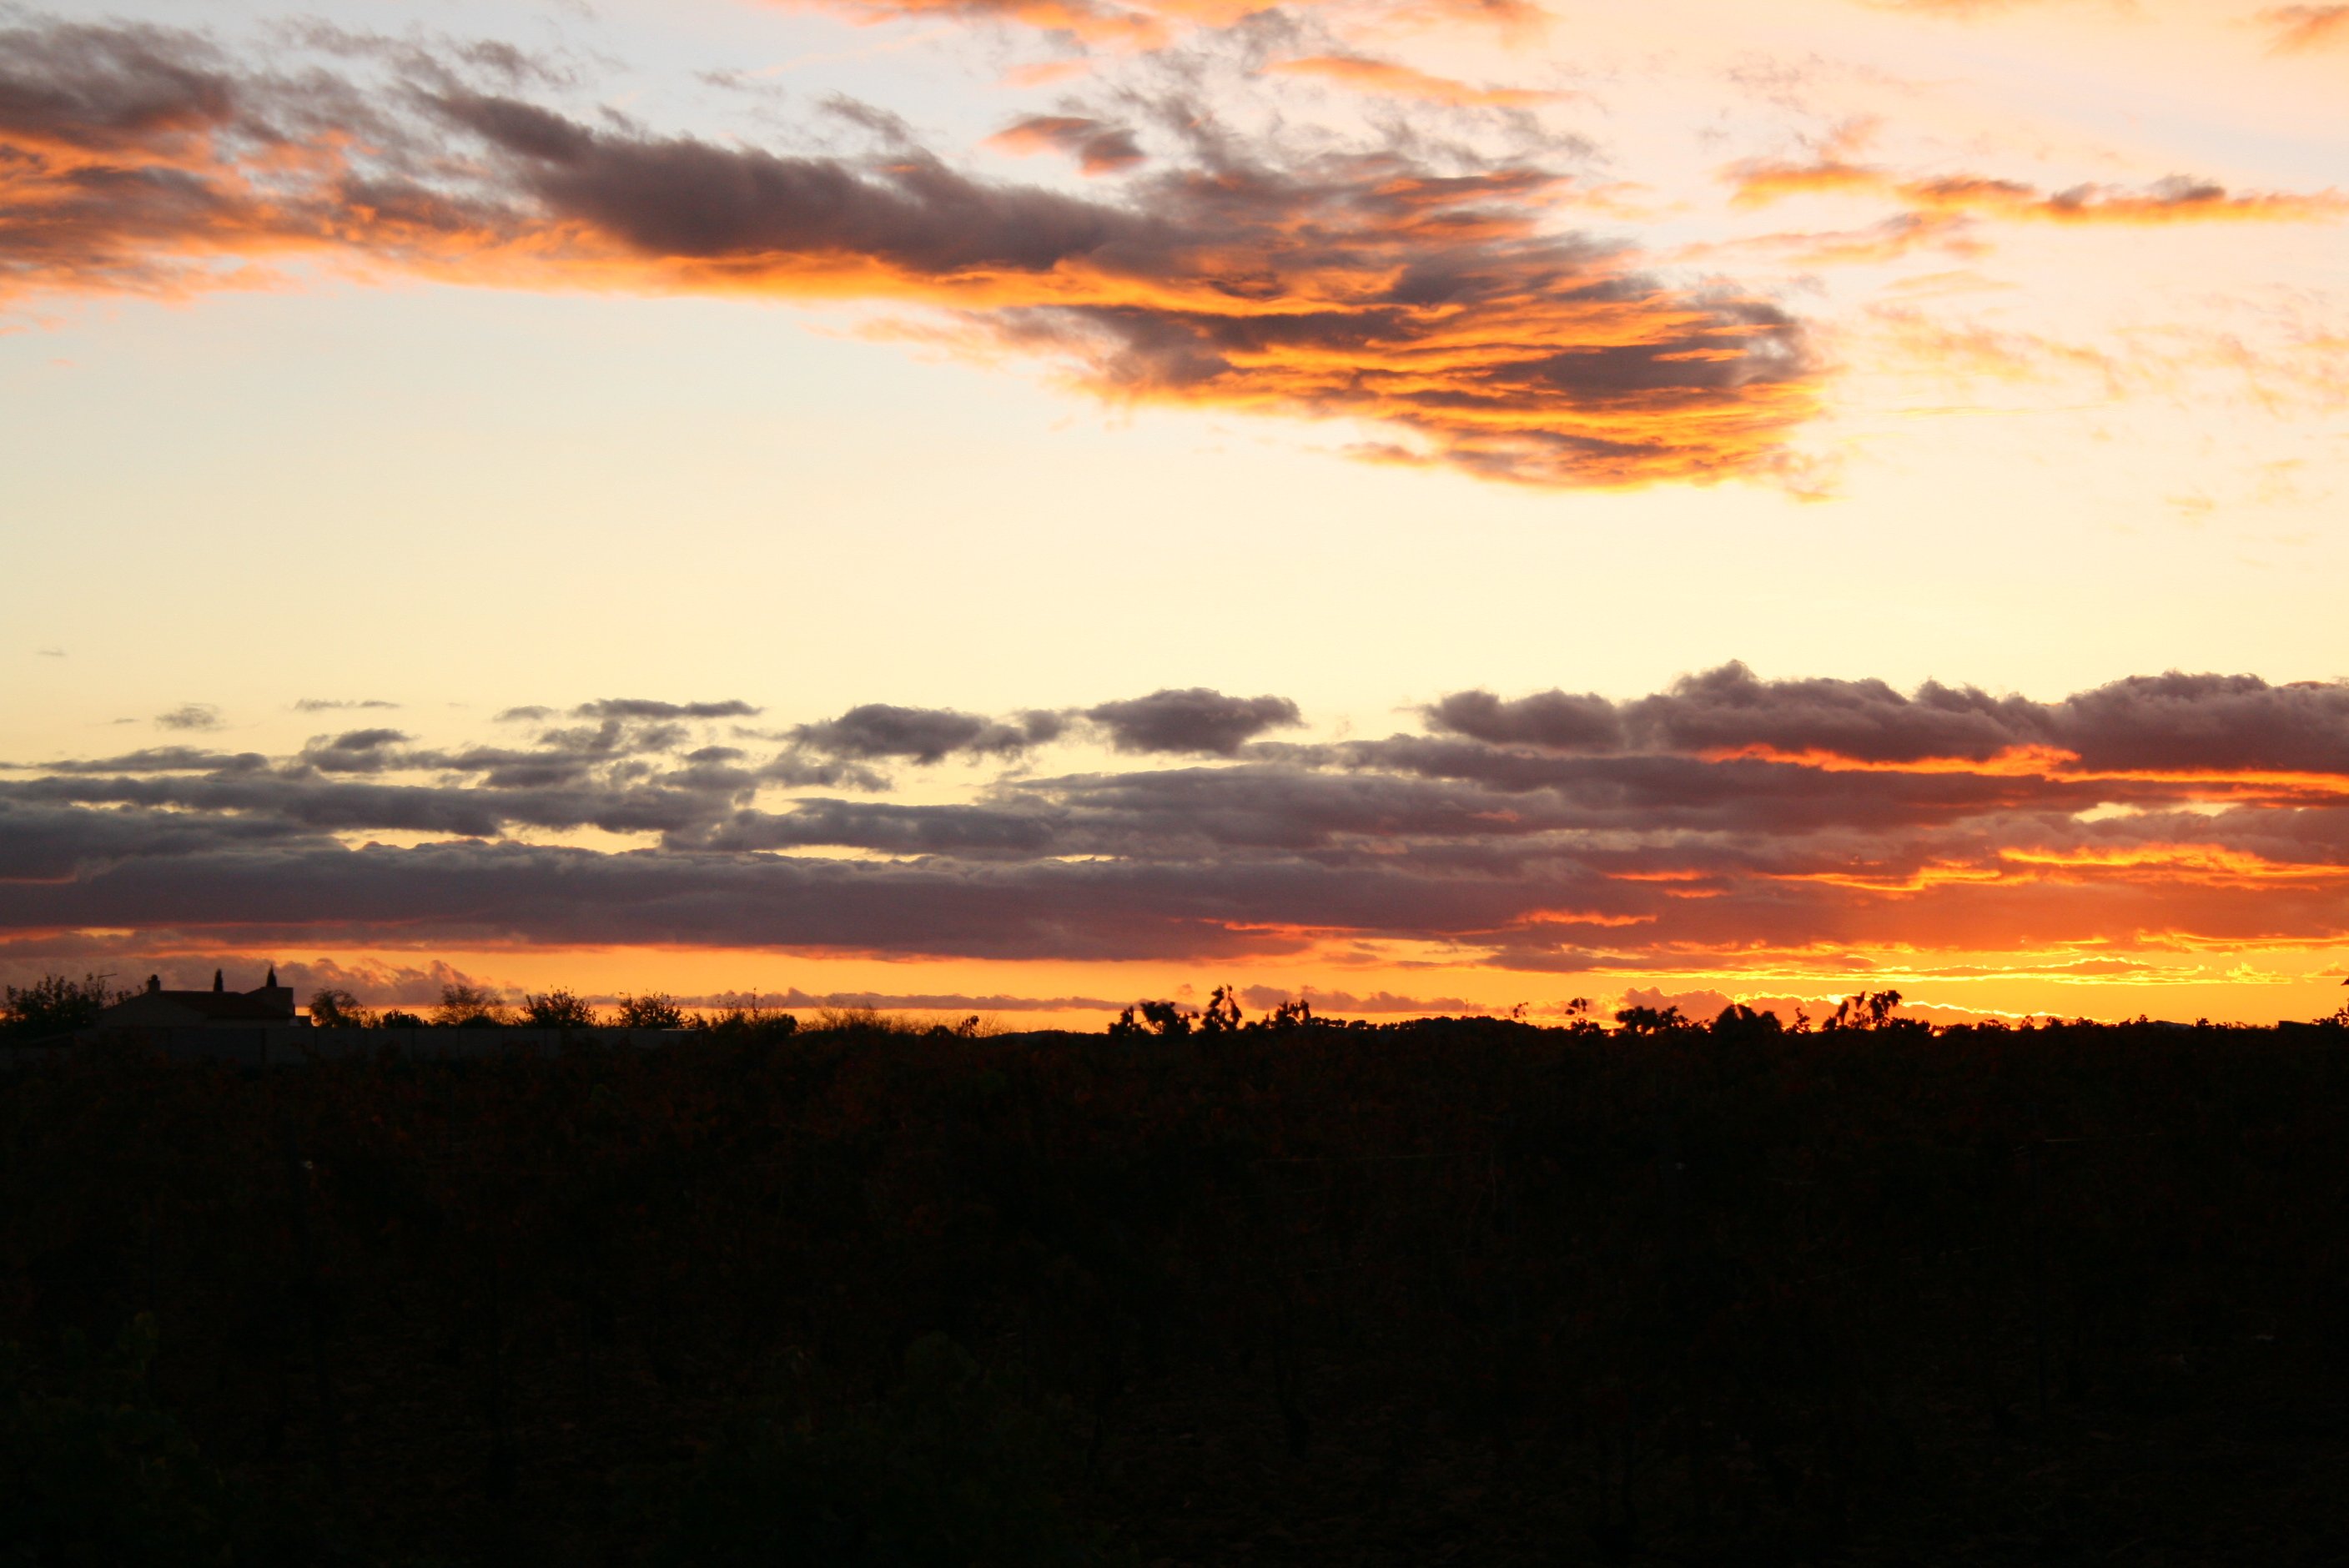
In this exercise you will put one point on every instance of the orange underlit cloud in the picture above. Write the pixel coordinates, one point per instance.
(2056, 764)
(1437, 305)
(2174, 199)
(2300, 28)
(1368, 74)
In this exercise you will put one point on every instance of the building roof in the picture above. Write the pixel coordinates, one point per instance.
(154, 1008)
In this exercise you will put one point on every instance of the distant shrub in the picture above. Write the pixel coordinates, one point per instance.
(750, 1024)
(866, 1020)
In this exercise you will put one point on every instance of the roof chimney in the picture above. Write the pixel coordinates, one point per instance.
(154, 982)
(218, 983)
(272, 981)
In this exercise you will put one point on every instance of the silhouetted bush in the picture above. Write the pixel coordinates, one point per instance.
(54, 1004)
(557, 1009)
(469, 1006)
(652, 1010)
(334, 1008)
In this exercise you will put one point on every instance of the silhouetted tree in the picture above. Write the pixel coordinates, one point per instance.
(1739, 1020)
(1649, 1020)
(652, 1010)
(54, 1004)
(1166, 1018)
(398, 1019)
(468, 1007)
(1296, 1015)
(1579, 1020)
(557, 1009)
(1222, 1013)
(331, 1007)
(1872, 1010)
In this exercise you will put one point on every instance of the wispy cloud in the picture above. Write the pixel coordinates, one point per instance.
(2176, 199)
(1371, 75)
(190, 716)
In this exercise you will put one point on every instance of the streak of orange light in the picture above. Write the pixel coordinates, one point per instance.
(2051, 763)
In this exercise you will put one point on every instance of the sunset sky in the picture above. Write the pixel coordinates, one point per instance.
(1017, 506)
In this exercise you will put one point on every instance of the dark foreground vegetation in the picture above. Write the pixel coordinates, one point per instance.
(1465, 1292)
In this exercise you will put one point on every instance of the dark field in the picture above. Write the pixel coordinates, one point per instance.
(1471, 1292)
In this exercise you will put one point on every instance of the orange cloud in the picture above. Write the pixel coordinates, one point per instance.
(1098, 146)
(1759, 183)
(1360, 287)
(2199, 862)
(2056, 764)
(2174, 199)
(2300, 28)
(2161, 863)
(1367, 74)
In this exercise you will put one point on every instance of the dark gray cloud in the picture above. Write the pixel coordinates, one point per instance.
(2171, 721)
(967, 831)
(1518, 834)
(2177, 721)
(45, 841)
(881, 729)
(1193, 719)
(1865, 719)
(156, 760)
(113, 88)
(190, 716)
(357, 742)
(331, 704)
(1551, 719)
(643, 707)
(884, 732)
(683, 197)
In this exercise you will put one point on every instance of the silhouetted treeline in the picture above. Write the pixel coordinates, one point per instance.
(1461, 1290)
